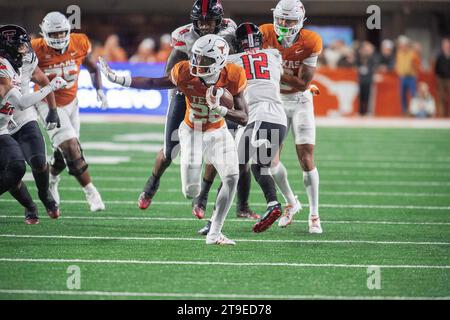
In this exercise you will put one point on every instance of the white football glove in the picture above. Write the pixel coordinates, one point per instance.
(214, 101)
(103, 99)
(111, 75)
(57, 83)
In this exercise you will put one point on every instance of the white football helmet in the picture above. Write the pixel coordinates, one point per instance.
(55, 22)
(209, 56)
(288, 10)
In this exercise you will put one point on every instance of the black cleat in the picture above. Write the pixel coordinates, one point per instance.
(205, 230)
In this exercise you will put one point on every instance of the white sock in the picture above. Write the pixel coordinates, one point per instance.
(89, 188)
(53, 178)
(272, 203)
(311, 181)
(223, 203)
(279, 174)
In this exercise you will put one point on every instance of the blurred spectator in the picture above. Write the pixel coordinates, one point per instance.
(145, 51)
(113, 52)
(442, 70)
(366, 62)
(165, 48)
(334, 53)
(387, 59)
(422, 105)
(97, 50)
(348, 58)
(407, 66)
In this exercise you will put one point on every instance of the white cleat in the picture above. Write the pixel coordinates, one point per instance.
(314, 224)
(289, 212)
(53, 187)
(220, 240)
(95, 201)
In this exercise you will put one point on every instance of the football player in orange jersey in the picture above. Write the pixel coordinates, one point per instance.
(300, 49)
(61, 53)
(203, 133)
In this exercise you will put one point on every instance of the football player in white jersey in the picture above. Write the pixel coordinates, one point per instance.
(260, 140)
(25, 130)
(14, 45)
(207, 18)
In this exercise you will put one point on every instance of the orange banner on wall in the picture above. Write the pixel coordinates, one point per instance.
(339, 92)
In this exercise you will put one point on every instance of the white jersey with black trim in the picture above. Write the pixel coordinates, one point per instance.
(264, 69)
(183, 38)
(6, 110)
(22, 117)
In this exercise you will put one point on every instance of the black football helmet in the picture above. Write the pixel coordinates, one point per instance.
(12, 40)
(248, 36)
(205, 10)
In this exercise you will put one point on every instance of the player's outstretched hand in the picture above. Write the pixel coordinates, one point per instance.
(58, 83)
(106, 70)
(111, 75)
(103, 99)
(52, 120)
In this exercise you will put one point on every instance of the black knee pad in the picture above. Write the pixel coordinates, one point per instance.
(77, 167)
(38, 162)
(57, 161)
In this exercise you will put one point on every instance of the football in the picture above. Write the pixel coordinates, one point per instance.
(227, 98)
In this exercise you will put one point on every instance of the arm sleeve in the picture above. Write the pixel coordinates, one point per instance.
(16, 99)
(311, 61)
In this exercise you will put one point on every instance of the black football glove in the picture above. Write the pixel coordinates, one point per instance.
(52, 120)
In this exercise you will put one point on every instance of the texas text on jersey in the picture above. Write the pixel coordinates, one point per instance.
(66, 65)
(232, 77)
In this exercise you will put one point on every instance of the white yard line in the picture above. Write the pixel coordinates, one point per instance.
(344, 206)
(324, 182)
(354, 173)
(427, 243)
(207, 295)
(333, 164)
(64, 217)
(223, 263)
(330, 193)
(324, 205)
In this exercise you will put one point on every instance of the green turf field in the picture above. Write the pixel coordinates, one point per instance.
(385, 201)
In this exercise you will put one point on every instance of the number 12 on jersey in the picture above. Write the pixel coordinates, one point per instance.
(256, 66)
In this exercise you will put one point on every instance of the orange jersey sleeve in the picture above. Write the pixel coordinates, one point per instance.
(177, 72)
(66, 65)
(312, 41)
(237, 79)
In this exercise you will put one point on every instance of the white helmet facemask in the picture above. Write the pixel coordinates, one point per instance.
(288, 18)
(56, 22)
(209, 56)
